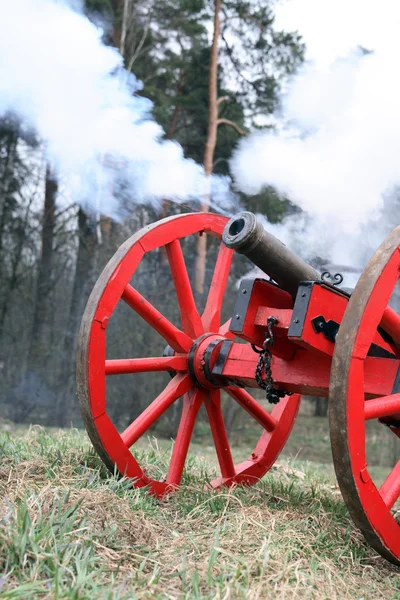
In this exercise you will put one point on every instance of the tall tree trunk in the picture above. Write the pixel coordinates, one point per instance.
(35, 382)
(174, 119)
(83, 282)
(201, 250)
(5, 184)
(170, 135)
(37, 350)
(15, 263)
(124, 27)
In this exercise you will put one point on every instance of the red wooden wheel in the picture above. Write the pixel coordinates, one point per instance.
(371, 506)
(189, 344)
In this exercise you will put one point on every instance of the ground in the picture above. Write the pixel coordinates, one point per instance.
(69, 529)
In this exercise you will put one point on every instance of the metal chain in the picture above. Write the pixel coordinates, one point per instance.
(264, 366)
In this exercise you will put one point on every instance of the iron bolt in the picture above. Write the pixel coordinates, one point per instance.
(296, 321)
(238, 317)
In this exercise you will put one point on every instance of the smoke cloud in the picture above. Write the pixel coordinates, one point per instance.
(337, 156)
(58, 76)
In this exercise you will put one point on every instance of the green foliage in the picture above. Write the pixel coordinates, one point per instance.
(167, 48)
(256, 57)
(270, 203)
(102, 7)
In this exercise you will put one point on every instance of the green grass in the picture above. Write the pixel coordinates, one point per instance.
(68, 529)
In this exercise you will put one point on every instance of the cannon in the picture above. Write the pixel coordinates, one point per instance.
(292, 332)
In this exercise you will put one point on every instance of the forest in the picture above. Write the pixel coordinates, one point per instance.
(206, 95)
(214, 73)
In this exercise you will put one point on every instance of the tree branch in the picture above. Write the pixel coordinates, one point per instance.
(136, 52)
(222, 99)
(245, 17)
(232, 124)
(235, 62)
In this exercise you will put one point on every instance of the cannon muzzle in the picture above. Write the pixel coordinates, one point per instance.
(247, 236)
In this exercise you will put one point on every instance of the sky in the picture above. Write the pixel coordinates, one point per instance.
(332, 28)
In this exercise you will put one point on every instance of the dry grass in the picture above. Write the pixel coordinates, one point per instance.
(69, 530)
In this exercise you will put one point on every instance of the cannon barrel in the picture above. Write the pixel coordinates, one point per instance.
(247, 236)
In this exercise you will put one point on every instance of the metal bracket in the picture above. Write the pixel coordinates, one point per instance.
(218, 368)
(336, 279)
(328, 328)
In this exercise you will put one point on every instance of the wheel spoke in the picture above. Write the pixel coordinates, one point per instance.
(191, 403)
(391, 323)
(390, 489)
(224, 330)
(122, 366)
(177, 339)
(254, 409)
(382, 407)
(178, 386)
(220, 437)
(211, 317)
(190, 317)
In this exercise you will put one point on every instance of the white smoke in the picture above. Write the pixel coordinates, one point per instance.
(339, 153)
(58, 76)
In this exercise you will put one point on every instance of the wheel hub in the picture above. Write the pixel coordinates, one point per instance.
(201, 360)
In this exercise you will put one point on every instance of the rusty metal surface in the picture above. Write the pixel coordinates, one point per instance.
(246, 235)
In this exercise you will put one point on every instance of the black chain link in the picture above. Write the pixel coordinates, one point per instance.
(264, 366)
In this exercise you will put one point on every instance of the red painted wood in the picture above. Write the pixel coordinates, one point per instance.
(284, 316)
(122, 366)
(385, 406)
(96, 374)
(178, 340)
(224, 330)
(390, 322)
(331, 305)
(117, 287)
(181, 226)
(211, 317)
(390, 489)
(265, 294)
(192, 401)
(253, 407)
(118, 452)
(191, 321)
(178, 386)
(376, 307)
(268, 446)
(116, 284)
(220, 436)
(199, 358)
(375, 502)
(308, 372)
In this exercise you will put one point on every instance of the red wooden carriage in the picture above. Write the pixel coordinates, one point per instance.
(291, 334)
